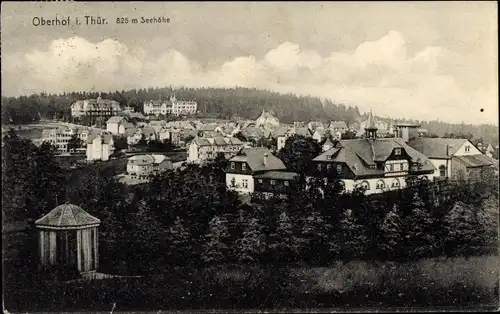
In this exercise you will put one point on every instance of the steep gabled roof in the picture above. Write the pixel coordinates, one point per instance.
(255, 159)
(115, 119)
(362, 154)
(436, 147)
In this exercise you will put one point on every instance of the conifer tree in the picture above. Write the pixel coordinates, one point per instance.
(283, 244)
(180, 242)
(252, 244)
(418, 226)
(216, 247)
(463, 230)
(392, 231)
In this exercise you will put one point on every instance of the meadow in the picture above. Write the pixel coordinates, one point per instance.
(444, 282)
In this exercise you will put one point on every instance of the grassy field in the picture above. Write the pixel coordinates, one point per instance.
(448, 283)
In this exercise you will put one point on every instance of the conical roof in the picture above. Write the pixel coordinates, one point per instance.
(370, 124)
(67, 216)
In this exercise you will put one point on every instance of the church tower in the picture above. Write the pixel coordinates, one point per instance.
(371, 128)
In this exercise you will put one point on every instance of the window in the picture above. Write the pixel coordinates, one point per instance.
(397, 151)
(467, 148)
(260, 180)
(442, 171)
(356, 167)
(319, 167)
(339, 169)
(396, 167)
(273, 182)
(243, 166)
(380, 184)
(328, 167)
(232, 166)
(329, 157)
(286, 183)
(245, 183)
(365, 185)
(391, 167)
(395, 183)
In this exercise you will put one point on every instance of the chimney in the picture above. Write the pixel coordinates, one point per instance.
(265, 159)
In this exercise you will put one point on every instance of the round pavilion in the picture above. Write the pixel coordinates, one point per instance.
(67, 236)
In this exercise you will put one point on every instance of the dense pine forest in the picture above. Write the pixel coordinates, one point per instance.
(243, 103)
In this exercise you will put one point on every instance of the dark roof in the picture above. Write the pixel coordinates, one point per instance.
(360, 154)
(67, 215)
(255, 159)
(338, 124)
(106, 137)
(277, 175)
(471, 161)
(115, 119)
(436, 147)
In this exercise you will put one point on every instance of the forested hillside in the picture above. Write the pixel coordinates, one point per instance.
(243, 103)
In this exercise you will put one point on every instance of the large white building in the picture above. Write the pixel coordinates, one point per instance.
(172, 106)
(100, 146)
(95, 108)
(375, 164)
(202, 149)
(60, 137)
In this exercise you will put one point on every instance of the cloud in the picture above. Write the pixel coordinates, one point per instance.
(380, 74)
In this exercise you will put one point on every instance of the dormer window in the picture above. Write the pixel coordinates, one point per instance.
(287, 183)
(273, 182)
(233, 166)
(397, 151)
(339, 169)
(329, 157)
(356, 167)
(467, 148)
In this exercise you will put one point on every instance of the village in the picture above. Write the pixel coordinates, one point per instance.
(370, 153)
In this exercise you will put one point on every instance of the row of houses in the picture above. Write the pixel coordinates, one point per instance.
(372, 163)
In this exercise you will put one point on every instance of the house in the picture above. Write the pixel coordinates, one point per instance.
(143, 166)
(338, 126)
(267, 120)
(123, 127)
(99, 107)
(100, 146)
(452, 158)
(319, 134)
(372, 163)
(149, 134)
(257, 170)
(202, 149)
(113, 124)
(313, 125)
(60, 137)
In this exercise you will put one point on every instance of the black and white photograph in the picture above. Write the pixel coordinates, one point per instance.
(244, 157)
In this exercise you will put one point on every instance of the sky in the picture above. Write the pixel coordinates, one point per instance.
(418, 60)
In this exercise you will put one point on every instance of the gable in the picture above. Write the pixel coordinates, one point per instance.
(463, 151)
